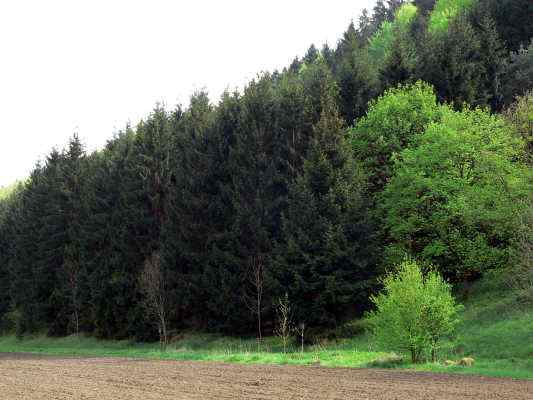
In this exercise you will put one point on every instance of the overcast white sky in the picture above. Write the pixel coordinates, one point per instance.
(90, 66)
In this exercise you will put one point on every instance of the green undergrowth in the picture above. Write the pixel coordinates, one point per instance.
(497, 331)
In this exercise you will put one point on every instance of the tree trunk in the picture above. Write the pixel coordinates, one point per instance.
(77, 321)
(163, 337)
(434, 350)
(259, 319)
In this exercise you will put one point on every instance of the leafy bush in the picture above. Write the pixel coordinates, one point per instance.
(413, 312)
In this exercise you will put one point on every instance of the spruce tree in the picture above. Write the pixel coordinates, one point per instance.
(325, 259)
(400, 64)
(71, 274)
(513, 20)
(452, 62)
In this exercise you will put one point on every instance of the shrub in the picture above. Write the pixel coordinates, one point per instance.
(413, 312)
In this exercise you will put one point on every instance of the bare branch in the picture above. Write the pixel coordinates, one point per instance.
(153, 286)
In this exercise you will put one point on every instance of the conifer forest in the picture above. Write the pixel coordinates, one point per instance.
(410, 138)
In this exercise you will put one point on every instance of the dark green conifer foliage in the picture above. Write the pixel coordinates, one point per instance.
(196, 227)
(121, 218)
(38, 253)
(67, 298)
(348, 44)
(324, 261)
(513, 20)
(453, 64)
(365, 28)
(400, 64)
(384, 10)
(329, 55)
(493, 59)
(425, 6)
(10, 213)
(518, 77)
(311, 55)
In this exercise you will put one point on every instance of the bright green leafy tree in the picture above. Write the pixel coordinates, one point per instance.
(391, 124)
(454, 195)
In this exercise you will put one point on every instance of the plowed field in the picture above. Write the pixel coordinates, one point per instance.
(36, 378)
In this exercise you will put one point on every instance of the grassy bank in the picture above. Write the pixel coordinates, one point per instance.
(496, 331)
(202, 347)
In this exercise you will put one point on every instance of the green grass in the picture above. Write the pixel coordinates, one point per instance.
(496, 331)
(492, 368)
(200, 348)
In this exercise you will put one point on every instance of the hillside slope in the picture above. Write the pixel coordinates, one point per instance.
(497, 329)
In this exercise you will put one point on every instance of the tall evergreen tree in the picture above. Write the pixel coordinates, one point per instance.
(39, 248)
(325, 259)
(120, 219)
(67, 297)
(452, 62)
(493, 58)
(518, 77)
(513, 20)
(400, 64)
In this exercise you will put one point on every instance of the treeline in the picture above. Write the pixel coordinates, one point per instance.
(307, 184)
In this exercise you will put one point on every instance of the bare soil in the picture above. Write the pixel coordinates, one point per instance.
(59, 378)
